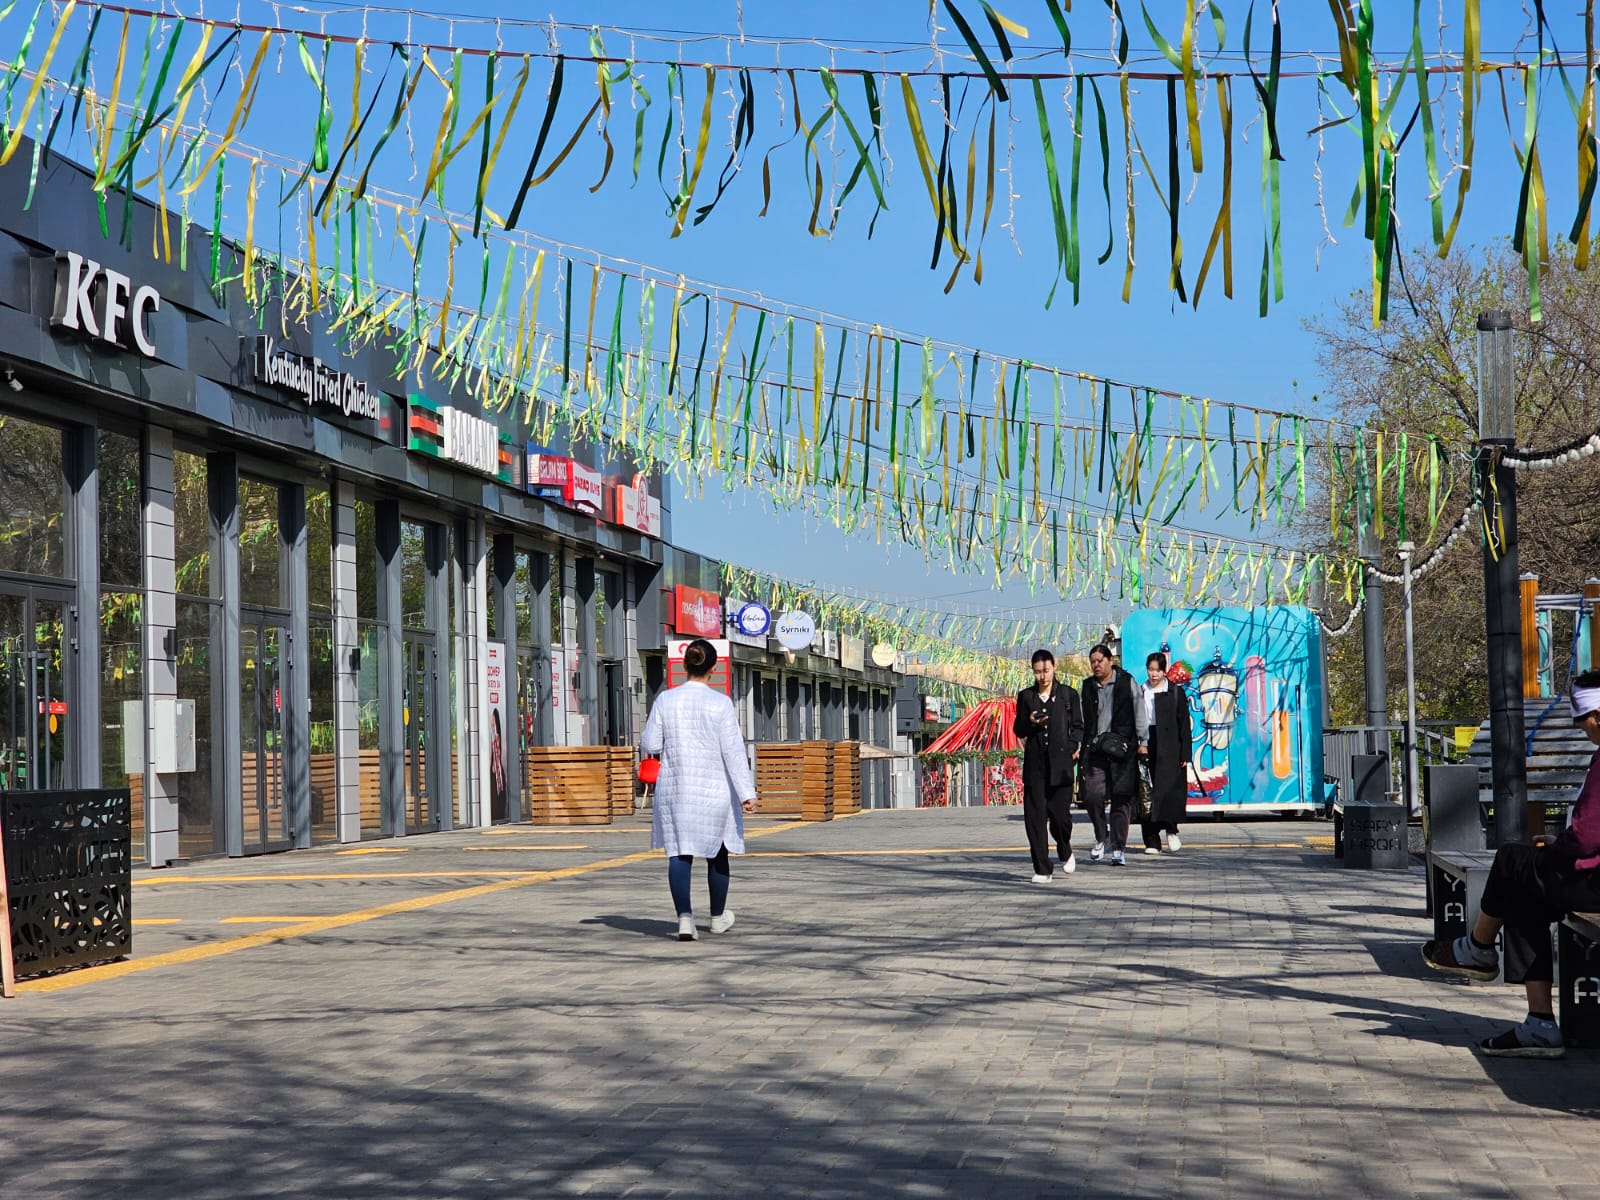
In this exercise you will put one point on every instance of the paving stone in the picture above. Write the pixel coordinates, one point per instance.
(1240, 1020)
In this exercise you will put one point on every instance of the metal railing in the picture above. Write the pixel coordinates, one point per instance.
(1436, 743)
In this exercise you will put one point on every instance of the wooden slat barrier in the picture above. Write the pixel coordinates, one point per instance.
(574, 785)
(622, 776)
(795, 779)
(846, 778)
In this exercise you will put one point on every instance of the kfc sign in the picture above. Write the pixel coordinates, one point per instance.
(637, 509)
(103, 304)
(585, 489)
(698, 613)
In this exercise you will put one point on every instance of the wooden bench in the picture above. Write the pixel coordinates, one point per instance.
(1578, 983)
(1458, 877)
(1557, 761)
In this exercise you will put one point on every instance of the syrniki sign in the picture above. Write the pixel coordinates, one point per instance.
(103, 304)
(318, 384)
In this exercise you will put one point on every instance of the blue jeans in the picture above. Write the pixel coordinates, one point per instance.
(719, 873)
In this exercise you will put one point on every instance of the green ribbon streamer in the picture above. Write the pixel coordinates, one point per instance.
(551, 104)
(996, 84)
(1430, 148)
(1058, 212)
(396, 51)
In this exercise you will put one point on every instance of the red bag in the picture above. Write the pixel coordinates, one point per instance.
(649, 770)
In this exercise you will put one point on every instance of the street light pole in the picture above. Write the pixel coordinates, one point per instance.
(1497, 435)
(1408, 552)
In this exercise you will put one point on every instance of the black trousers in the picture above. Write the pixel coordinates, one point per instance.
(1046, 814)
(1153, 830)
(1530, 889)
(1109, 826)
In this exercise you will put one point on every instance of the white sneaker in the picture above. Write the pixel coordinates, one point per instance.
(723, 923)
(1043, 878)
(686, 930)
(1071, 864)
(1117, 860)
(1097, 852)
(1173, 842)
(1152, 850)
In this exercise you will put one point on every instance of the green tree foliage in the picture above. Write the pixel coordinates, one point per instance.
(1418, 373)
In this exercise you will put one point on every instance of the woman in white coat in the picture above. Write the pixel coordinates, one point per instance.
(704, 787)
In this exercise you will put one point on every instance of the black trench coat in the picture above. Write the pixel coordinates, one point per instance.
(1171, 748)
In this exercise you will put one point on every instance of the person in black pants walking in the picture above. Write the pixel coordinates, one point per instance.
(1050, 725)
(1114, 729)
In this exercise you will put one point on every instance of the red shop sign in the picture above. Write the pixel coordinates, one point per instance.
(698, 612)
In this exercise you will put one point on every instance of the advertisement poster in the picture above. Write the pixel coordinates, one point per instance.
(499, 724)
(1255, 699)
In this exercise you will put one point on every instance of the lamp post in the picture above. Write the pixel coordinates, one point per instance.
(1497, 434)
(1407, 552)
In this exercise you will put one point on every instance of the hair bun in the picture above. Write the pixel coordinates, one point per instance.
(699, 657)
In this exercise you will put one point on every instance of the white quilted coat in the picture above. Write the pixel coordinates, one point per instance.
(704, 772)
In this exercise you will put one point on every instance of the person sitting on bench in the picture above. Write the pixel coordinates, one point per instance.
(1528, 889)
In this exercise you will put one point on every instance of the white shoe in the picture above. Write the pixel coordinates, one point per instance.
(1117, 859)
(1152, 849)
(1043, 878)
(1097, 852)
(723, 923)
(1173, 843)
(686, 930)
(1071, 864)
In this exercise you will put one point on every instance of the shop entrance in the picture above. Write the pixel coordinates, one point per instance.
(34, 687)
(263, 672)
(614, 704)
(419, 668)
(533, 692)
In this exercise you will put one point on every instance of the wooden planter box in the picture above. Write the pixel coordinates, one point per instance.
(846, 778)
(794, 779)
(573, 785)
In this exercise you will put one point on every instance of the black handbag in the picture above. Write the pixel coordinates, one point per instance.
(1113, 745)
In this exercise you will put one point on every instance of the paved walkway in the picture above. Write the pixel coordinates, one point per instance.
(897, 1012)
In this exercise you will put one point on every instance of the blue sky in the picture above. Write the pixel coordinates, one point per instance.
(1223, 350)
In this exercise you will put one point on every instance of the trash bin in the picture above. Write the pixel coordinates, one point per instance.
(1375, 836)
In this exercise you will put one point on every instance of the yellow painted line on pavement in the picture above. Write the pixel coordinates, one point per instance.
(554, 831)
(326, 875)
(373, 850)
(266, 920)
(312, 926)
(568, 846)
(156, 920)
(885, 853)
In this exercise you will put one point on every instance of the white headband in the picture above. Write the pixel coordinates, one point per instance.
(1585, 700)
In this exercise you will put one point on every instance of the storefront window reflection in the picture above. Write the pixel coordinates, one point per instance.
(320, 734)
(260, 553)
(414, 574)
(122, 701)
(319, 549)
(198, 789)
(369, 699)
(119, 504)
(191, 523)
(32, 498)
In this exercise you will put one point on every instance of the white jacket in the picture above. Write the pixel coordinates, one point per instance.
(704, 773)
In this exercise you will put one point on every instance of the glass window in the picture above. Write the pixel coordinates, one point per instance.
(366, 560)
(324, 751)
(607, 591)
(191, 521)
(197, 789)
(557, 625)
(33, 498)
(319, 549)
(260, 547)
(122, 701)
(119, 499)
(414, 574)
(369, 700)
(522, 597)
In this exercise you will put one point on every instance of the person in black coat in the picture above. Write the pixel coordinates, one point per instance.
(1050, 726)
(1109, 765)
(1169, 748)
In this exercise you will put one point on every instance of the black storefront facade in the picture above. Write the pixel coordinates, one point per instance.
(287, 592)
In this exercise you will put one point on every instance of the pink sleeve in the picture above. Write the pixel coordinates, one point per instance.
(1581, 840)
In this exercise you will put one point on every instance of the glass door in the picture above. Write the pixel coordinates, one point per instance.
(33, 691)
(263, 654)
(419, 680)
(533, 688)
